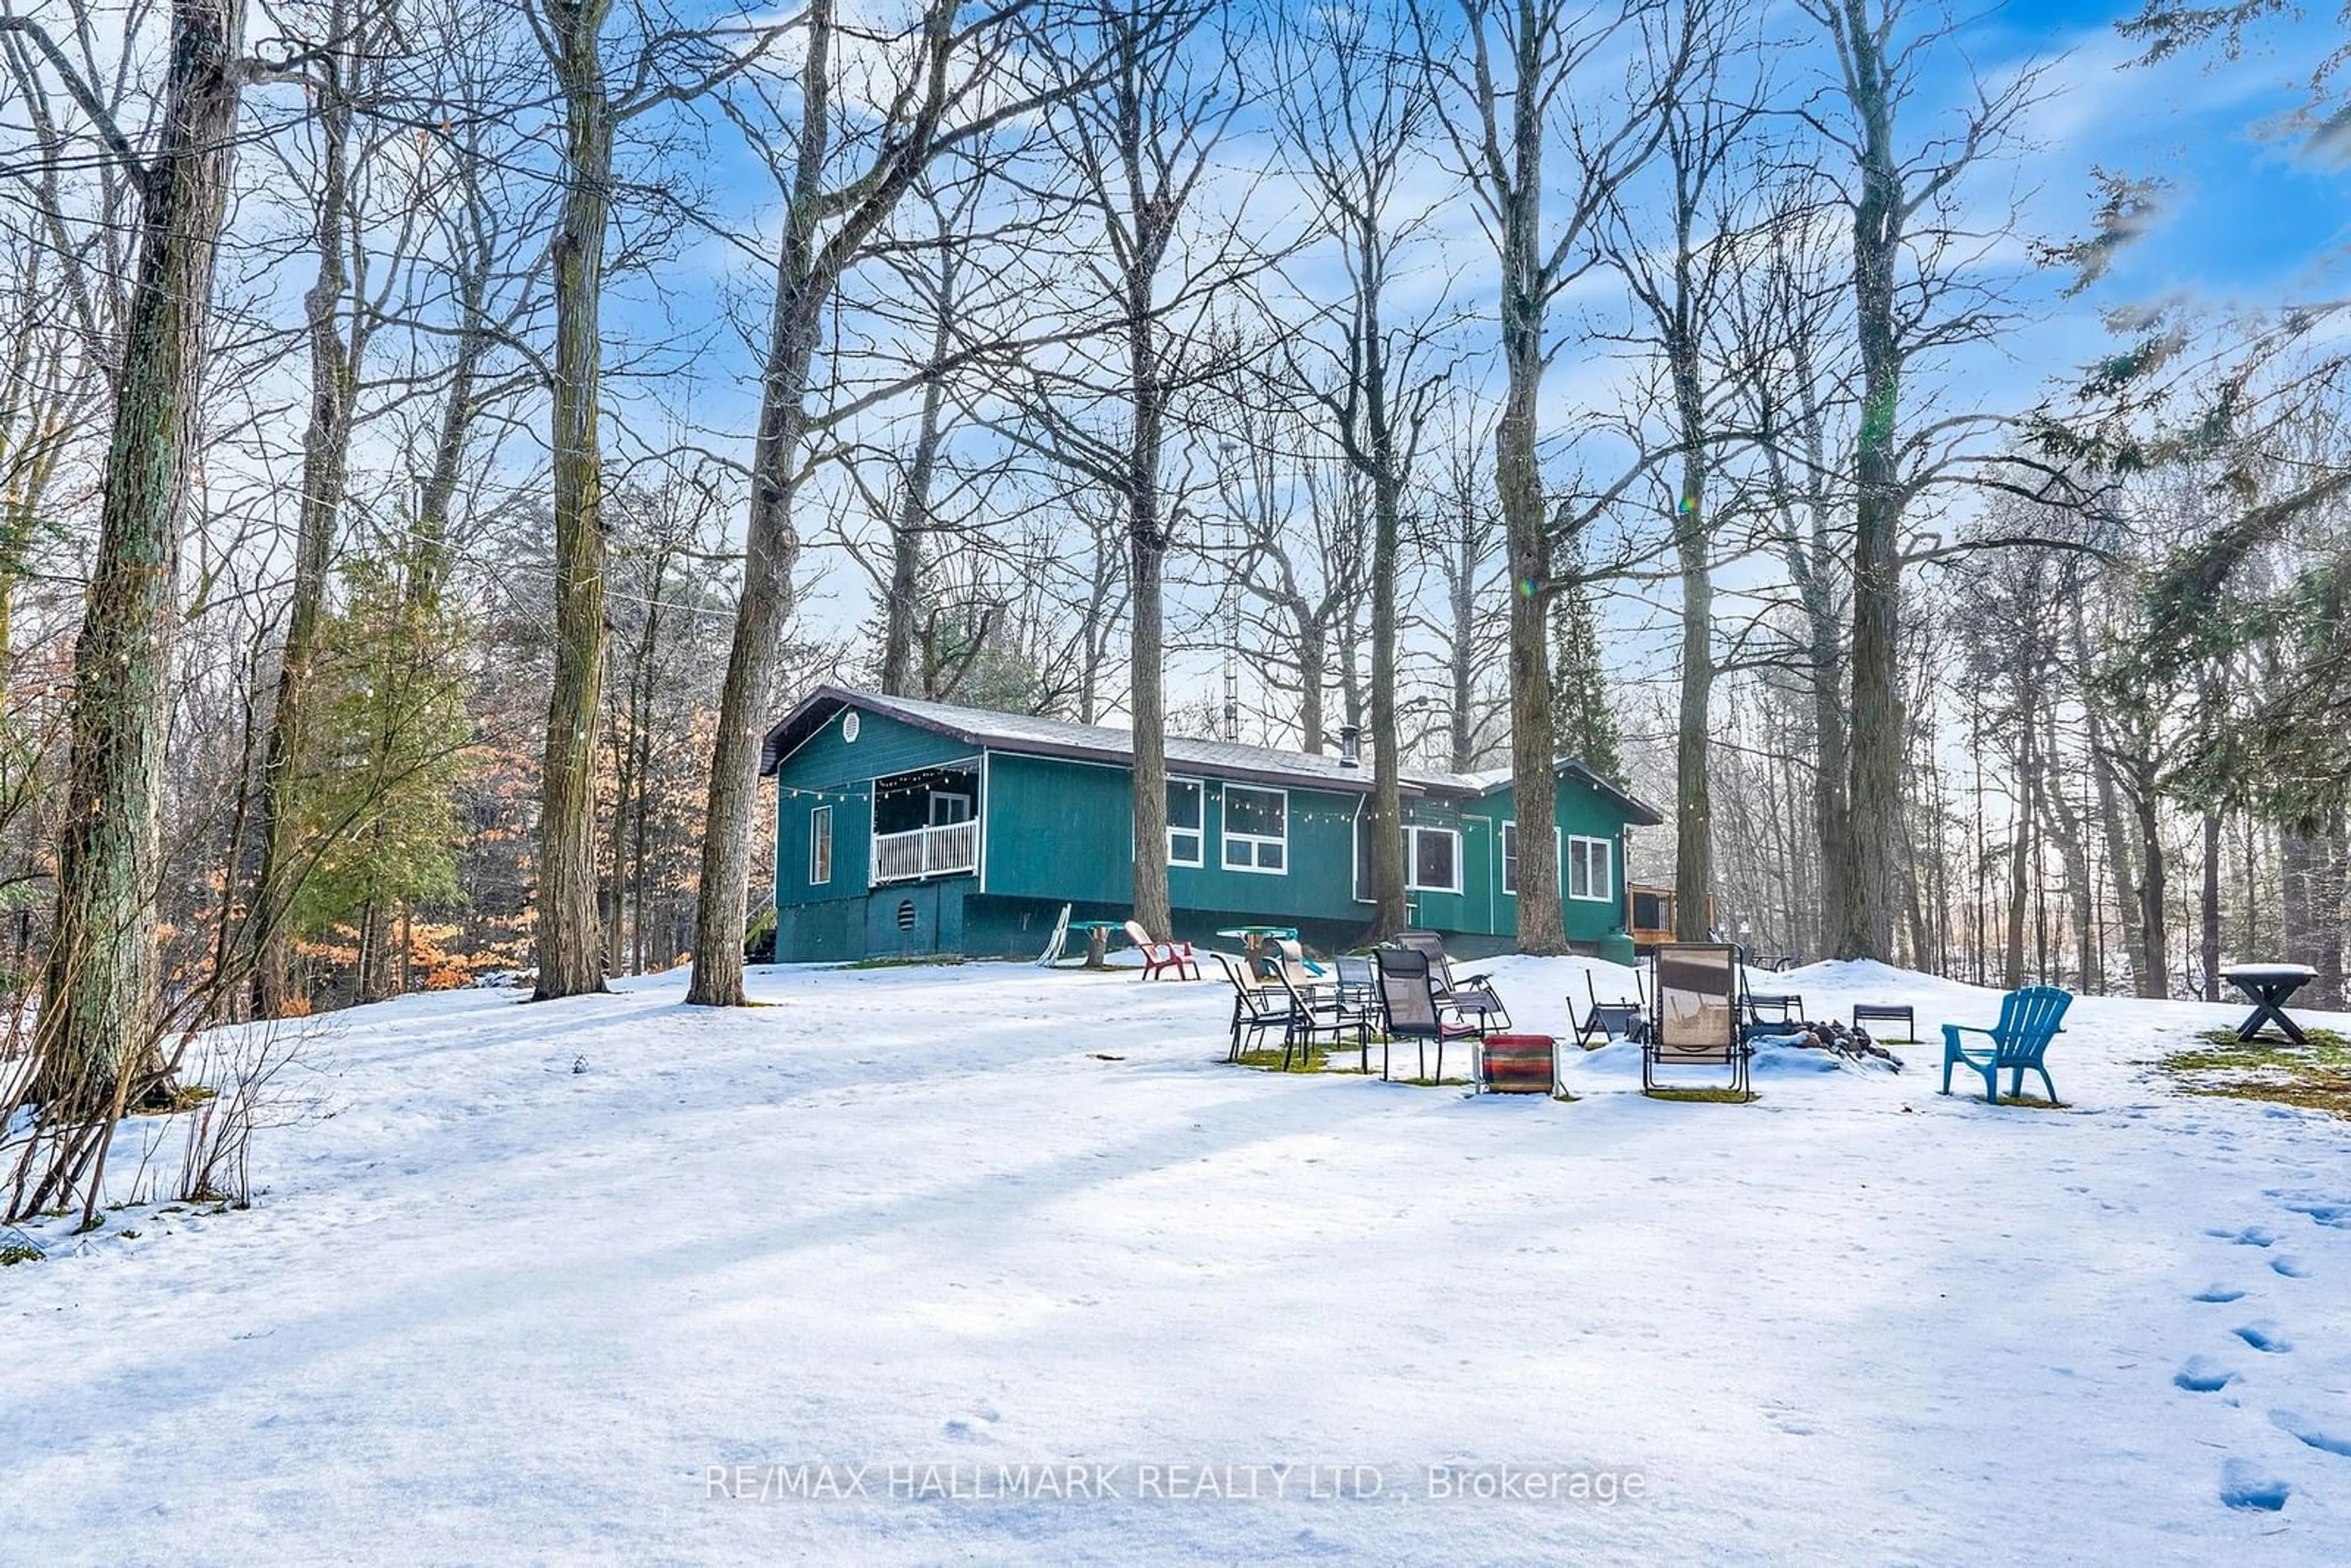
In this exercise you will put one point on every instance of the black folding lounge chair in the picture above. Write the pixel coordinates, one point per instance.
(1356, 1004)
(1696, 1022)
(1474, 1000)
(1606, 1021)
(1257, 1008)
(1409, 1008)
(1313, 1017)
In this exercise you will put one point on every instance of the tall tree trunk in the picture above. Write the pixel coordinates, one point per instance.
(772, 547)
(615, 896)
(1151, 222)
(2155, 941)
(568, 935)
(1145, 557)
(1461, 654)
(99, 992)
(326, 460)
(2019, 853)
(1693, 788)
(2209, 907)
(2074, 853)
(637, 856)
(1526, 526)
(1830, 832)
(910, 529)
(1862, 910)
(1313, 676)
(1386, 825)
(762, 612)
(2298, 866)
(2328, 913)
(428, 553)
(2109, 793)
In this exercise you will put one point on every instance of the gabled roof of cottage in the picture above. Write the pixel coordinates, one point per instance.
(1034, 737)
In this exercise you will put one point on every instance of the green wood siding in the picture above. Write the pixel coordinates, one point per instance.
(1581, 813)
(1477, 906)
(1066, 831)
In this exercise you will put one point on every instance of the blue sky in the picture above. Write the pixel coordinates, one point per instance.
(2248, 221)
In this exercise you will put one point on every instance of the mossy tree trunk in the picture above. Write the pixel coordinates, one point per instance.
(569, 936)
(99, 1015)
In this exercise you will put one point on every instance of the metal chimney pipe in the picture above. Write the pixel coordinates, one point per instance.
(1350, 746)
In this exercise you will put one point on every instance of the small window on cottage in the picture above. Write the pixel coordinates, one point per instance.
(1257, 829)
(820, 846)
(1590, 864)
(1184, 821)
(1433, 859)
(1510, 858)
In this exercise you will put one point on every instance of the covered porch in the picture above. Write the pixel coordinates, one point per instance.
(927, 824)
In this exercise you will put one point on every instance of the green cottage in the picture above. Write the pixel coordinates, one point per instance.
(907, 828)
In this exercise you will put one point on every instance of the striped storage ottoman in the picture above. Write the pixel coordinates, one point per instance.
(1518, 1063)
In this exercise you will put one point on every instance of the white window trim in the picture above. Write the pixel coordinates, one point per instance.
(1502, 861)
(825, 838)
(1412, 858)
(1607, 848)
(931, 809)
(1201, 787)
(1230, 838)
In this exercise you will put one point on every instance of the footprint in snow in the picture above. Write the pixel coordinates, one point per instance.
(2251, 1236)
(2202, 1375)
(2264, 1336)
(2217, 1293)
(2309, 1432)
(2245, 1485)
(2292, 1268)
(2330, 1212)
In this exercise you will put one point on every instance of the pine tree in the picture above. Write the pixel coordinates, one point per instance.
(389, 750)
(1581, 719)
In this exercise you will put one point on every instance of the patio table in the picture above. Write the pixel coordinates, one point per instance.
(2269, 986)
(1253, 940)
(1097, 939)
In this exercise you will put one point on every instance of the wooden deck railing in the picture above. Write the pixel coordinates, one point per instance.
(942, 851)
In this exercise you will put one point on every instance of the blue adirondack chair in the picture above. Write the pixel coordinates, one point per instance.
(2028, 1021)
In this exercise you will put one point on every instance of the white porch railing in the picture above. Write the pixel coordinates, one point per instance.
(942, 851)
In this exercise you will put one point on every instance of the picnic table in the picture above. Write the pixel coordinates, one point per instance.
(1097, 939)
(2269, 986)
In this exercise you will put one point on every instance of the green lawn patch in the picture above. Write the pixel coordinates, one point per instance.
(1303, 1059)
(2316, 1077)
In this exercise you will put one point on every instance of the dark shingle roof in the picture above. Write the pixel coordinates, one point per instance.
(1093, 742)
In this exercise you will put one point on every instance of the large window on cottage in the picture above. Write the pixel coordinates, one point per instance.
(1257, 829)
(820, 846)
(1589, 868)
(1183, 832)
(1432, 860)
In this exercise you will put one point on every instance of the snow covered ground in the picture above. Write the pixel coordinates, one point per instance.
(947, 1223)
